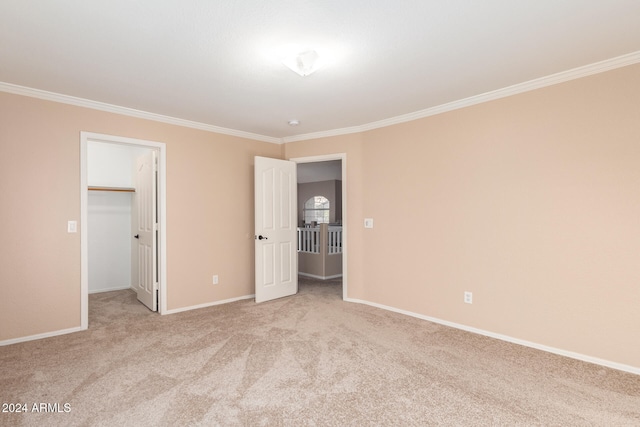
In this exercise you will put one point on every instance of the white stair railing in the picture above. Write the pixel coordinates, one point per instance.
(334, 240)
(309, 240)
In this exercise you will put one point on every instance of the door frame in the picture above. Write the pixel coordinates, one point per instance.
(85, 138)
(343, 158)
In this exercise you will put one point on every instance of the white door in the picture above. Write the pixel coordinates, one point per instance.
(275, 228)
(145, 232)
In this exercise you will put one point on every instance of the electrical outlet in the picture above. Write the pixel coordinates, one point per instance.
(468, 297)
(215, 279)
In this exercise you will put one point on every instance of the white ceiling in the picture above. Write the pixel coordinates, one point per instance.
(212, 61)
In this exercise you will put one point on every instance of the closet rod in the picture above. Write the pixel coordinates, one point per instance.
(119, 189)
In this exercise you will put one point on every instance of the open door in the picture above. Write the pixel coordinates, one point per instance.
(145, 231)
(275, 229)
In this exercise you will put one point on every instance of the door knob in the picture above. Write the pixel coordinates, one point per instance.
(261, 237)
(137, 236)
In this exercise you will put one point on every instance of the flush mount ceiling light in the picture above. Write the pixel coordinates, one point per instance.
(303, 63)
(294, 122)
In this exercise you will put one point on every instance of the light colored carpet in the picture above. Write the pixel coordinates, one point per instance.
(310, 359)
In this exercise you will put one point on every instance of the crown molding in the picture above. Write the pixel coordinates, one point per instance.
(564, 76)
(110, 108)
(561, 77)
(324, 134)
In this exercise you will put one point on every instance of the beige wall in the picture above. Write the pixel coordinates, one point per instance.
(209, 188)
(531, 202)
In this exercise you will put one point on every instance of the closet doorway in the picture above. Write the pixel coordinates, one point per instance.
(123, 219)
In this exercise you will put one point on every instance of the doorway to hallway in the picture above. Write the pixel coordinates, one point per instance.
(323, 177)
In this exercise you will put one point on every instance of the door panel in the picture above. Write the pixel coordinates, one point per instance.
(269, 272)
(275, 229)
(286, 256)
(288, 188)
(146, 283)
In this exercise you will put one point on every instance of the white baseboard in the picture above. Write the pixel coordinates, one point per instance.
(78, 329)
(313, 276)
(41, 336)
(98, 291)
(561, 352)
(208, 304)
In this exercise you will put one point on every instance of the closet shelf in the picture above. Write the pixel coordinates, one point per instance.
(119, 189)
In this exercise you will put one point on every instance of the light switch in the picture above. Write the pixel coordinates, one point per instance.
(72, 227)
(368, 223)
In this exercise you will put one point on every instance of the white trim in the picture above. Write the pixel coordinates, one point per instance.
(125, 111)
(84, 229)
(99, 291)
(85, 137)
(560, 352)
(314, 276)
(561, 77)
(208, 304)
(41, 336)
(343, 158)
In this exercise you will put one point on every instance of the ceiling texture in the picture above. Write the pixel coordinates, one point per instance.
(216, 64)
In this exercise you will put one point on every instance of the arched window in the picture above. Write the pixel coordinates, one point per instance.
(316, 209)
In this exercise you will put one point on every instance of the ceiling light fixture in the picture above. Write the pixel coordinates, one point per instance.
(294, 122)
(304, 63)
